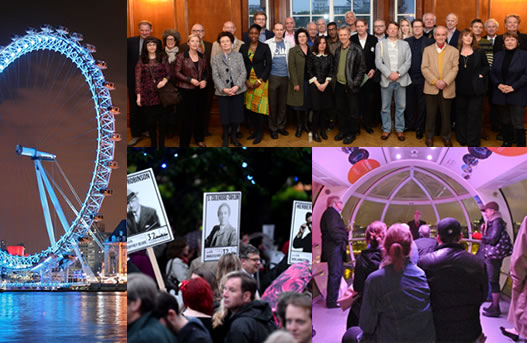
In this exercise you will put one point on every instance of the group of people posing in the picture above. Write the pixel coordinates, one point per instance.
(417, 289)
(437, 76)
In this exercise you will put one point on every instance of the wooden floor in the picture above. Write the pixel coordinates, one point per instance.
(362, 140)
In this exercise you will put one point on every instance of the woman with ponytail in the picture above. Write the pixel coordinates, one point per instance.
(367, 262)
(396, 300)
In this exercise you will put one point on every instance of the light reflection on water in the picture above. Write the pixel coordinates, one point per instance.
(63, 317)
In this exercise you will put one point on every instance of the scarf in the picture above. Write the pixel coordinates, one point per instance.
(171, 53)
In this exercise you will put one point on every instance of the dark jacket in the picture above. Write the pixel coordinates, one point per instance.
(303, 243)
(425, 245)
(498, 42)
(368, 51)
(194, 331)
(148, 220)
(185, 70)
(481, 66)
(355, 66)
(417, 46)
(262, 60)
(458, 286)
(414, 229)
(268, 35)
(492, 232)
(454, 39)
(334, 233)
(367, 262)
(251, 324)
(149, 329)
(132, 54)
(516, 78)
(320, 67)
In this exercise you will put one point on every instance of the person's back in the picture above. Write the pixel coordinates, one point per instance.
(396, 306)
(425, 245)
(251, 324)
(149, 329)
(458, 285)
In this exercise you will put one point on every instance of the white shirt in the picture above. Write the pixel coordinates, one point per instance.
(393, 53)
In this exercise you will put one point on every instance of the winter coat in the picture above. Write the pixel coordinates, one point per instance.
(518, 308)
(296, 64)
(251, 324)
(149, 329)
(458, 286)
(492, 232)
(355, 66)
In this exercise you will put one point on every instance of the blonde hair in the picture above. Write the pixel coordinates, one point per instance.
(512, 16)
(193, 35)
(375, 233)
(410, 32)
(226, 264)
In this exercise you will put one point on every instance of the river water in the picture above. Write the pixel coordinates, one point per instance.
(62, 317)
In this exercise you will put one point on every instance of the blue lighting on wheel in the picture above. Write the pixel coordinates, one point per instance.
(60, 40)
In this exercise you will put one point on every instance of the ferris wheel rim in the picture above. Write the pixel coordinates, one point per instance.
(61, 41)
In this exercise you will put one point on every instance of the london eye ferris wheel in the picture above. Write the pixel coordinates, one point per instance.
(57, 140)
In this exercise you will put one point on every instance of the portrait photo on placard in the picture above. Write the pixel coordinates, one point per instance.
(221, 224)
(146, 219)
(300, 236)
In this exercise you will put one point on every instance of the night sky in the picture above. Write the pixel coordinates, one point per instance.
(45, 103)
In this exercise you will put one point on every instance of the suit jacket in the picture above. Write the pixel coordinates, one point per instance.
(516, 78)
(498, 42)
(454, 39)
(431, 73)
(334, 233)
(305, 243)
(404, 61)
(415, 228)
(268, 35)
(221, 238)
(368, 51)
(185, 70)
(148, 220)
(262, 60)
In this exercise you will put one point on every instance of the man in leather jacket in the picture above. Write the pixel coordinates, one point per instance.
(350, 68)
(458, 286)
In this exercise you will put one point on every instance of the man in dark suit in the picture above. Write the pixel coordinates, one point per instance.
(415, 101)
(415, 224)
(367, 43)
(334, 241)
(512, 23)
(139, 218)
(260, 18)
(134, 48)
(304, 243)
(453, 33)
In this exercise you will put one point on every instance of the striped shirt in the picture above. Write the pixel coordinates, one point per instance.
(486, 46)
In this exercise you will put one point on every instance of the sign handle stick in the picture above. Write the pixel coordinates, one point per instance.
(155, 266)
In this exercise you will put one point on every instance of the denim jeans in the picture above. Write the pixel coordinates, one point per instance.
(399, 94)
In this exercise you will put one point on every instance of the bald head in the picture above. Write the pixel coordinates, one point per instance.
(440, 34)
(312, 30)
(321, 26)
(229, 26)
(198, 29)
(451, 21)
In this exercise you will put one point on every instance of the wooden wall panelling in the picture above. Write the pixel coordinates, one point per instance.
(182, 25)
(498, 9)
(160, 12)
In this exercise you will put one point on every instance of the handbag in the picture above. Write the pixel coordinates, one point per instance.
(502, 249)
(168, 95)
(171, 283)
